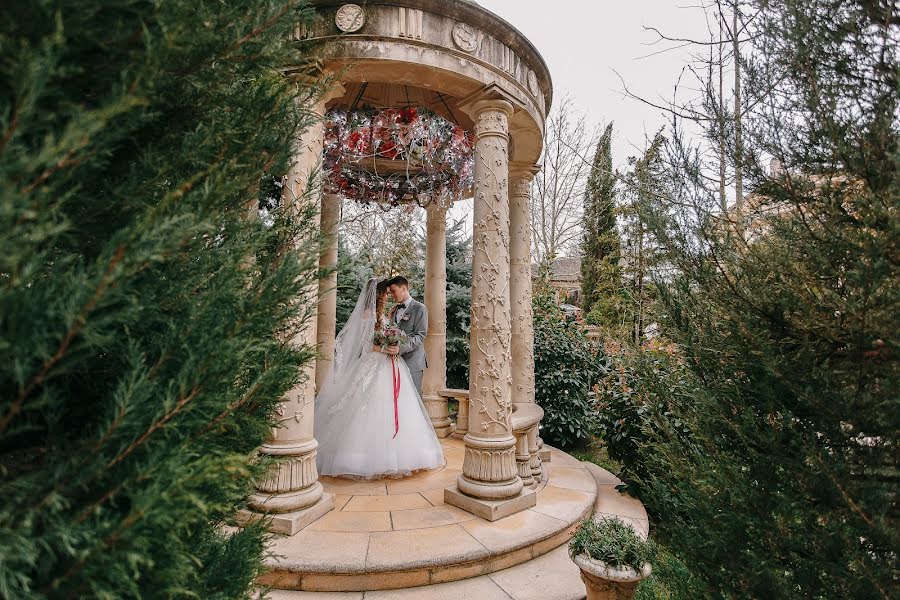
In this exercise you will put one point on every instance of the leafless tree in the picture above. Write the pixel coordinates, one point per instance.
(722, 125)
(390, 235)
(557, 192)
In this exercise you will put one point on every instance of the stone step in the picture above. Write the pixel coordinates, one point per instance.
(397, 539)
(551, 576)
(396, 534)
(611, 503)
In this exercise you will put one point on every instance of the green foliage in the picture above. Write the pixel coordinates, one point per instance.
(353, 271)
(613, 542)
(670, 580)
(645, 183)
(601, 278)
(634, 401)
(766, 449)
(566, 367)
(459, 302)
(142, 314)
(596, 453)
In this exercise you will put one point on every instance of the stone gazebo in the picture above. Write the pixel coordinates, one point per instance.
(496, 504)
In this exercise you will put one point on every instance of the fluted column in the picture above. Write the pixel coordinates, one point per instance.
(291, 492)
(326, 322)
(435, 377)
(489, 467)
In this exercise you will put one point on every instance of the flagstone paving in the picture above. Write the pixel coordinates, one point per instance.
(399, 533)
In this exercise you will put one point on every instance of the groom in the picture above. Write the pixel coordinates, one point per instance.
(411, 317)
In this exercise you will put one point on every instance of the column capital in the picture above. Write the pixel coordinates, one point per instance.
(490, 97)
(436, 210)
(523, 170)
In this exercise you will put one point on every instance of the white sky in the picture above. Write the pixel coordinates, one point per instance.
(585, 42)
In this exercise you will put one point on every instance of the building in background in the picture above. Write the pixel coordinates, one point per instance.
(565, 279)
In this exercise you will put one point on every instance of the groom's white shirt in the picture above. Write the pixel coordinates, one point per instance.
(401, 309)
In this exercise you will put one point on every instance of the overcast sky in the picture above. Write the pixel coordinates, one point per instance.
(585, 42)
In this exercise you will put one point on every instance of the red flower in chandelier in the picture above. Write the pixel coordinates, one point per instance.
(396, 155)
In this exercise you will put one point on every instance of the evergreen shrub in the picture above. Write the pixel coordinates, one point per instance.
(146, 313)
(567, 365)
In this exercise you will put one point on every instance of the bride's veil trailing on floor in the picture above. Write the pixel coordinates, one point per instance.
(353, 360)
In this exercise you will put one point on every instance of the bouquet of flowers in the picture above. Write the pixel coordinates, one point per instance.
(389, 336)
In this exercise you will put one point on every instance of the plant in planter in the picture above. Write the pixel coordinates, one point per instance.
(612, 557)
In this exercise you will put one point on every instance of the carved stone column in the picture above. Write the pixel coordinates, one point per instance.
(330, 218)
(435, 377)
(291, 492)
(489, 485)
(520, 281)
(520, 297)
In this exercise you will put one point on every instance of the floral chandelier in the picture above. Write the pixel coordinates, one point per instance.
(391, 156)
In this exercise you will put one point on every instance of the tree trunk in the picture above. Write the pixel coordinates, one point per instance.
(738, 127)
(723, 201)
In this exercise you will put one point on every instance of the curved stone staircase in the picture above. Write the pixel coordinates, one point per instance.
(397, 539)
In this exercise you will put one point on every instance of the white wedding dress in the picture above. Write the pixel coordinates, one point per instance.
(360, 433)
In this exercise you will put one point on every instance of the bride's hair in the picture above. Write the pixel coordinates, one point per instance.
(380, 297)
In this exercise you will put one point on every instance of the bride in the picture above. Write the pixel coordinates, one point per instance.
(367, 426)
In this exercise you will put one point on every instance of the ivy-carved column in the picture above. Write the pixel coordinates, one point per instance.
(520, 281)
(291, 493)
(490, 486)
(521, 175)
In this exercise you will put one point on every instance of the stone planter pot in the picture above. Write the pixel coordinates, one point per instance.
(604, 582)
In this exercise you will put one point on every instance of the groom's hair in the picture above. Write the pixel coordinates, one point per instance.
(398, 280)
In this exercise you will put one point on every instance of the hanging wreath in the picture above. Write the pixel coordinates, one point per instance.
(395, 155)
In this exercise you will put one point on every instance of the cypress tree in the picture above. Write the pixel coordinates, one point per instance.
(600, 272)
(145, 312)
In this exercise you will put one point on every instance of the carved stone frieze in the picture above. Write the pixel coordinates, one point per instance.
(409, 23)
(494, 466)
(350, 18)
(466, 37)
(533, 83)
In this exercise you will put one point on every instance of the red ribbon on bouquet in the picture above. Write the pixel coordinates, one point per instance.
(395, 371)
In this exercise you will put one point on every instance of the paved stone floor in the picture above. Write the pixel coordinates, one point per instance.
(399, 533)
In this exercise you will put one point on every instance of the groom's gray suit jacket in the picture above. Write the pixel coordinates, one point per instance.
(414, 323)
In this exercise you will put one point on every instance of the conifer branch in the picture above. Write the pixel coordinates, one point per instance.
(182, 402)
(73, 332)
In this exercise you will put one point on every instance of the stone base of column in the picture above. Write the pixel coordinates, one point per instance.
(290, 493)
(490, 486)
(290, 523)
(490, 510)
